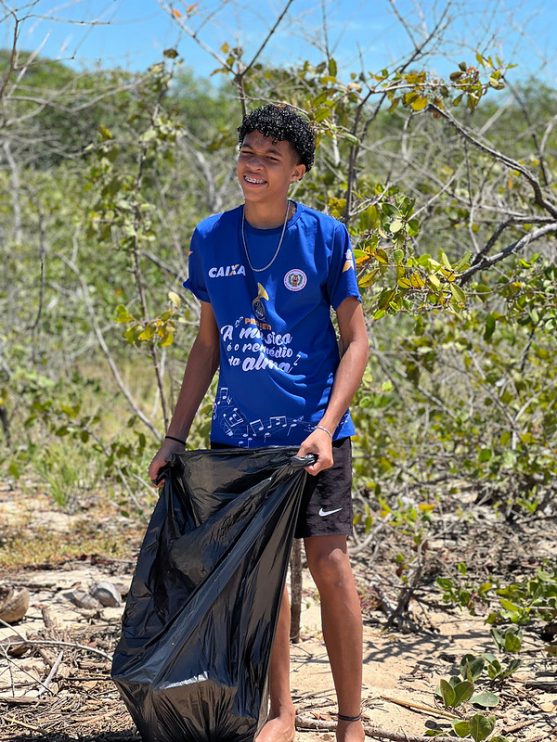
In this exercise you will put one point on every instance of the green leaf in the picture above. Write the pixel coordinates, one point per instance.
(463, 692)
(14, 469)
(447, 693)
(486, 698)
(398, 255)
(147, 333)
(396, 225)
(105, 133)
(174, 298)
(332, 67)
(458, 294)
(444, 259)
(122, 314)
(419, 103)
(381, 256)
(508, 605)
(167, 340)
(461, 728)
(370, 217)
(513, 642)
(170, 53)
(360, 256)
(367, 279)
(481, 727)
(413, 227)
(471, 667)
(490, 323)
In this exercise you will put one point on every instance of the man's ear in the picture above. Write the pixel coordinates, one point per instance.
(299, 172)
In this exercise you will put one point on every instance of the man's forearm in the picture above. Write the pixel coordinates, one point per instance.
(203, 361)
(347, 379)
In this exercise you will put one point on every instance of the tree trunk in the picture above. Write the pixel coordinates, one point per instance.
(295, 590)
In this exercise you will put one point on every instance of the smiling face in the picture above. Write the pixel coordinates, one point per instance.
(266, 168)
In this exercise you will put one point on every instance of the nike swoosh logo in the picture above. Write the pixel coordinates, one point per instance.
(322, 512)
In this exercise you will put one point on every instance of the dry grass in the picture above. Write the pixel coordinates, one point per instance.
(24, 549)
(34, 531)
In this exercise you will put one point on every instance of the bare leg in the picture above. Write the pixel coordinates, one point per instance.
(341, 620)
(281, 724)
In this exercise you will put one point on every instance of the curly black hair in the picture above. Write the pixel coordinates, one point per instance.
(282, 123)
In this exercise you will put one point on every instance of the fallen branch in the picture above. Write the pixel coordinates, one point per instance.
(548, 686)
(521, 725)
(53, 670)
(419, 707)
(13, 720)
(304, 722)
(52, 643)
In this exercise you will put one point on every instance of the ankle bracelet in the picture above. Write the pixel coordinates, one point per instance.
(342, 717)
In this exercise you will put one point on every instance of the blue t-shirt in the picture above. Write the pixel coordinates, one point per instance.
(278, 346)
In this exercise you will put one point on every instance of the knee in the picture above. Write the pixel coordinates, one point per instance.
(330, 569)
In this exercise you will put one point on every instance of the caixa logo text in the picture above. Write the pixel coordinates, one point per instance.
(224, 271)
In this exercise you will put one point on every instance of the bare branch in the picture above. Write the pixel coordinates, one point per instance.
(488, 149)
(355, 149)
(13, 53)
(531, 128)
(106, 351)
(487, 262)
(267, 38)
(195, 37)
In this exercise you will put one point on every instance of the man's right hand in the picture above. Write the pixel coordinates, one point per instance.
(161, 458)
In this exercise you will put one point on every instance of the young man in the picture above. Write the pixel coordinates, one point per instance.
(267, 274)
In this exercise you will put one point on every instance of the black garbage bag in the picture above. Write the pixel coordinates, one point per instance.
(192, 660)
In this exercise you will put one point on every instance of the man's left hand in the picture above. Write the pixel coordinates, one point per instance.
(319, 443)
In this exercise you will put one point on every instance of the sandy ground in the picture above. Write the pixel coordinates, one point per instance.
(399, 668)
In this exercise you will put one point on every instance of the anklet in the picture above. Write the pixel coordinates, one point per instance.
(342, 717)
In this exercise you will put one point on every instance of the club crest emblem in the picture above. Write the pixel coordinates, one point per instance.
(295, 280)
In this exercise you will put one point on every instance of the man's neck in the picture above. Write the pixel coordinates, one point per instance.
(265, 216)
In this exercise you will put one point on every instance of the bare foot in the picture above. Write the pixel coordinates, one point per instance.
(279, 727)
(350, 731)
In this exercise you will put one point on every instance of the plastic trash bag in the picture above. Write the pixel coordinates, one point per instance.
(192, 660)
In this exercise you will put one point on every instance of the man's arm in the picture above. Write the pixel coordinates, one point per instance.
(203, 361)
(355, 351)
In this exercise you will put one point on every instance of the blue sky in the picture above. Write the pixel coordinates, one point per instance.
(133, 33)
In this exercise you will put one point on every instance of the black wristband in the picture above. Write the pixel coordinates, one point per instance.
(179, 440)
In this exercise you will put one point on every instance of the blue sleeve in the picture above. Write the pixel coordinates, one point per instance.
(196, 274)
(342, 280)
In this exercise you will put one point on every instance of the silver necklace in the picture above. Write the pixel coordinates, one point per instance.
(272, 260)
